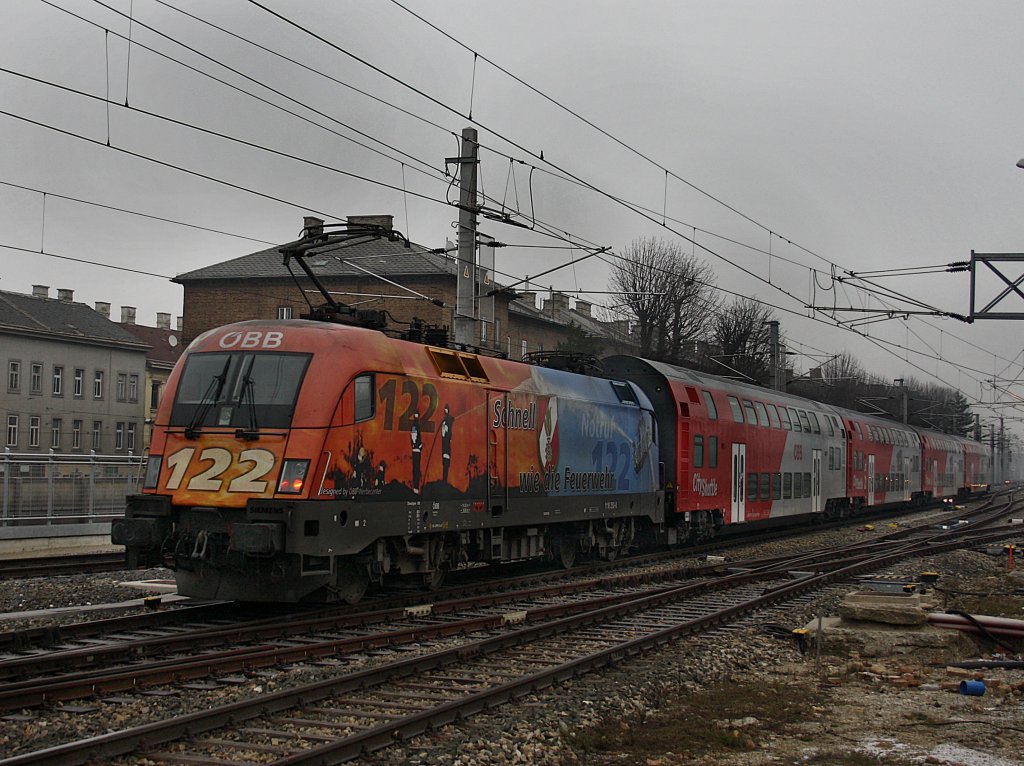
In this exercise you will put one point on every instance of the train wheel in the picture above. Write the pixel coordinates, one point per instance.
(352, 582)
(434, 579)
(566, 553)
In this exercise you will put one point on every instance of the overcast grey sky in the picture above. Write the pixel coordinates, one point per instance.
(840, 136)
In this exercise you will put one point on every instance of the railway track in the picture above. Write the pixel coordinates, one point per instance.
(466, 662)
(47, 566)
(80, 651)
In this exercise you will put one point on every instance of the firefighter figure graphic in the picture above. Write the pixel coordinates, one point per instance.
(547, 436)
(446, 442)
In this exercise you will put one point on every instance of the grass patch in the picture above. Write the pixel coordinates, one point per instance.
(996, 605)
(696, 723)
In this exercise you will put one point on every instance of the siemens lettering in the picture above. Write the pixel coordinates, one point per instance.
(517, 418)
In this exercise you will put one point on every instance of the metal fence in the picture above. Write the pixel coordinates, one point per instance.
(65, 489)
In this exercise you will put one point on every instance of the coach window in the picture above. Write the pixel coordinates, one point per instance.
(773, 415)
(856, 427)
(807, 485)
(365, 397)
(784, 414)
(698, 451)
(712, 452)
(797, 486)
(776, 486)
(737, 412)
(751, 486)
(804, 420)
(764, 488)
(709, 400)
(831, 430)
(762, 414)
(787, 486)
(748, 410)
(815, 425)
(795, 418)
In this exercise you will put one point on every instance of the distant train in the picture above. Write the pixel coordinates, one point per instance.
(302, 460)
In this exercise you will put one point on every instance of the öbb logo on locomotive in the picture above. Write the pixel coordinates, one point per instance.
(302, 460)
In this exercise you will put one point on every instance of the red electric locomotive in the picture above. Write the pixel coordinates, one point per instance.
(302, 459)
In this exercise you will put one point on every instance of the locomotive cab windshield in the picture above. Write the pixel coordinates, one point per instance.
(240, 389)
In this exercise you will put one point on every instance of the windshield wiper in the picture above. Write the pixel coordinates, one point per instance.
(247, 394)
(209, 399)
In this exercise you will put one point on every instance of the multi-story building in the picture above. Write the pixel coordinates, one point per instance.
(164, 349)
(73, 380)
(408, 281)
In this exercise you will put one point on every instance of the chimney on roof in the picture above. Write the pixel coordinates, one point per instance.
(528, 297)
(163, 320)
(557, 302)
(386, 222)
(65, 295)
(583, 308)
(41, 291)
(179, 323)
(127, 315)
(103, 309)
(312, 226)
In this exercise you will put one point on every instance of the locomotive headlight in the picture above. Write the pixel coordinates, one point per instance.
(153, 465)
(293, 477)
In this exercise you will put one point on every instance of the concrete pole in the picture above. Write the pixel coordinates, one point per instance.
(773, 355)
(465, 294)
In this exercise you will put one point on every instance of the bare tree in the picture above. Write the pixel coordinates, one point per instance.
(742, 334)
(669, 292)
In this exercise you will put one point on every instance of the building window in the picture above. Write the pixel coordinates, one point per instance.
(58, 381)
(522, 354)
(79, 381)
(133, 388)
(76, 434)
(12, 430)
(34, 424)
(97, 434)
(284, 312)
(122, 387)
(55, 433)
(154, 395)
(97, 385)
(13, 376)
(35, 381)
(119, 436)
(131, 436)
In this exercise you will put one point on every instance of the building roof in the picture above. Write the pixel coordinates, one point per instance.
(525, 306)
(165, 345)
(379, 256)
(68, 320)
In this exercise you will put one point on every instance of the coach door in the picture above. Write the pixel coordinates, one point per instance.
(906, 478)
(816, 480)
(497, 455)
(739, 483)
(871, 480)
